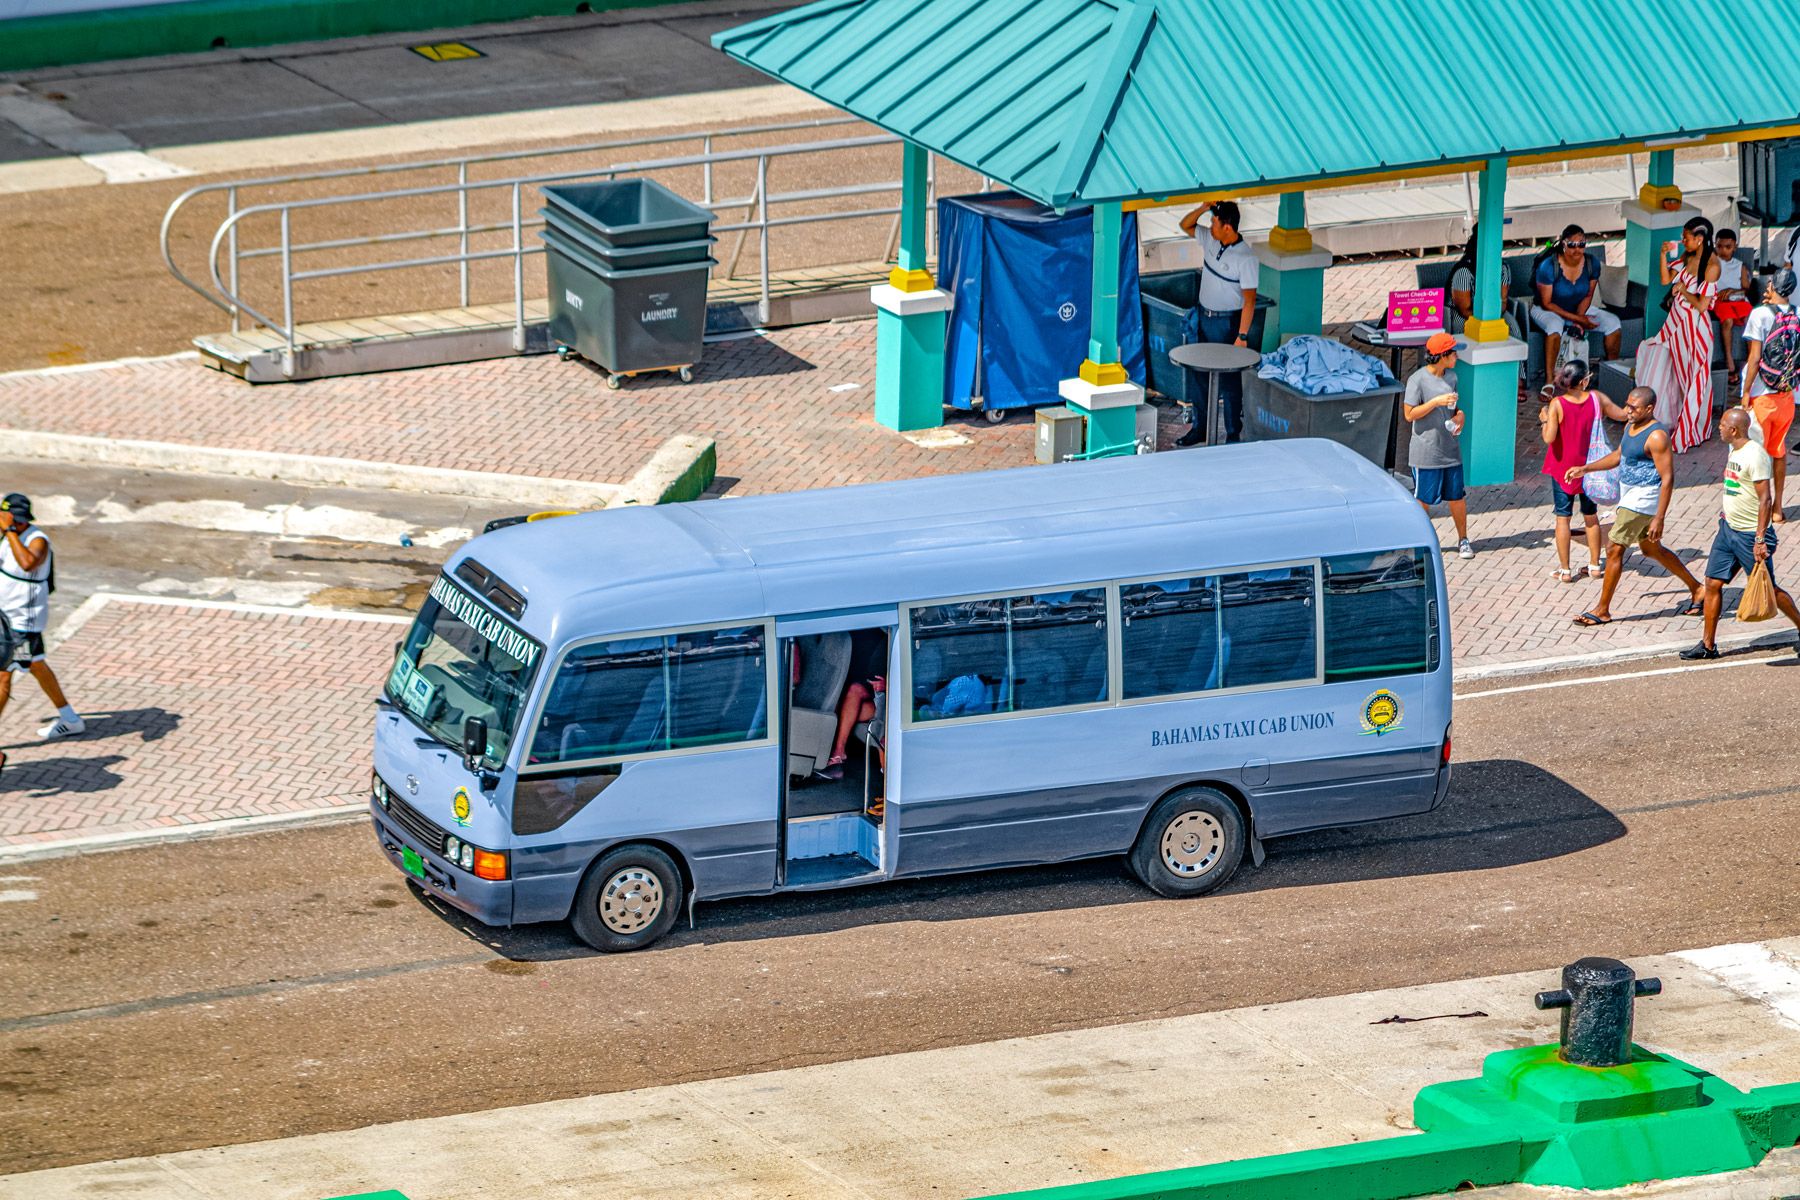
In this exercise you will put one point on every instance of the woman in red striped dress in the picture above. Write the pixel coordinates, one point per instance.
(1691, 273)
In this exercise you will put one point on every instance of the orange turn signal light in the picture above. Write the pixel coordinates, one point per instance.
(490, 864)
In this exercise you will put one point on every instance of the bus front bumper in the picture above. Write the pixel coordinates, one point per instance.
(488, 901)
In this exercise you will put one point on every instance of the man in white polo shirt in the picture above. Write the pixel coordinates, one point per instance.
(1229, 274)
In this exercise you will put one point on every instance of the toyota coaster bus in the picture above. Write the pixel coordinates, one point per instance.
(604, 718)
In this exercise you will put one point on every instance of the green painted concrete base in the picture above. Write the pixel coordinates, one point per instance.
(1299, 297)
(909, 369)
(1489, 394)
(1642, 249)
(191, 26)
(1530, 1118)
(1111, 432)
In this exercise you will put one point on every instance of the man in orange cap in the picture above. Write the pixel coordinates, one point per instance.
(1435, 452)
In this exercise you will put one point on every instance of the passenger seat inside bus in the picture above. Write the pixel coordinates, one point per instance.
(812, 714)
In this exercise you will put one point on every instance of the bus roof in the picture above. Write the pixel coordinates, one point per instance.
(918, 539)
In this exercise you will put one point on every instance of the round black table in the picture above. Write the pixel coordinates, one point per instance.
(1213, 359)
(1396, 344)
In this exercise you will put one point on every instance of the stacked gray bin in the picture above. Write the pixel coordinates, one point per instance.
(1363, 421)
(627, 262)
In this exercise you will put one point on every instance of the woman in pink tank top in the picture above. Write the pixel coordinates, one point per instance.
(1567, 419)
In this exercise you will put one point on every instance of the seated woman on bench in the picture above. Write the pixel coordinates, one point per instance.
(868, 661)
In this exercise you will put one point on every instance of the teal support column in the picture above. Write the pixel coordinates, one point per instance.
(910, 317)
(1293, 275)
(1488, 366)
(1655, 218)
(1101, 391)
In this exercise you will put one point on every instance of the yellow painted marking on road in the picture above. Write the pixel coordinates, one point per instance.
(1563, 683)
(446, 51)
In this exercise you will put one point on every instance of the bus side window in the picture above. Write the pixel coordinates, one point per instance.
(1009, 654)
(639, 695)
(1378, 614)
(1267, 620)
(1171, 640)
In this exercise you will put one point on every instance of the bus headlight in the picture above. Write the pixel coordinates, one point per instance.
(451, 847)
(467, 857)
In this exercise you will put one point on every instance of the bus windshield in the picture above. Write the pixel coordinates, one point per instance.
(460, 660)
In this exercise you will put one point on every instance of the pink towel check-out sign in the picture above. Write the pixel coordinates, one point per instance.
(1416, 310)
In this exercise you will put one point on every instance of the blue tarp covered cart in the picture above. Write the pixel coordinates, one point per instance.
(1020, 274)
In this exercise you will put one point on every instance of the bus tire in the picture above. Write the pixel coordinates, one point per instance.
(631, 897)
(1191, 843)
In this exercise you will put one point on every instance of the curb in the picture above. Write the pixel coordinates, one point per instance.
(139, 838)
(306, 468)
(681, 469)
(1727, 643)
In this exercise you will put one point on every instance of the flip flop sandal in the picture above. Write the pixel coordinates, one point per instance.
(1588, 620)
(1565, 574)
(1693, 608)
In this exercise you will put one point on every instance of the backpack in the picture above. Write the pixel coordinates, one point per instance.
(1779, 366)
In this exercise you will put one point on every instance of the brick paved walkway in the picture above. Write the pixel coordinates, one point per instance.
(194, 714)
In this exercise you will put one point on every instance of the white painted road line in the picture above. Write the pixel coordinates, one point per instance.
(1563, 683)
(1755, 971)
(13, 897)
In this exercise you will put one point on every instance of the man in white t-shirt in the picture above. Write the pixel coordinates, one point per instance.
(1229, 275)
(1745, 537)
(25, 574)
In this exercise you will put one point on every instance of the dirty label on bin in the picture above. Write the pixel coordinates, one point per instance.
(573, 300)
(658, 314)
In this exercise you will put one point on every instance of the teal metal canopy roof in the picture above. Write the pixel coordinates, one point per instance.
(1080, 101)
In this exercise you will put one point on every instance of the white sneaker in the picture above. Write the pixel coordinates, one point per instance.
(62, 728)
(1465, 549)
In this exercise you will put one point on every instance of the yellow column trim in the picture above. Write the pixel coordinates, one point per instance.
(1290, 241)
(1103, 374)
(1654, 199)
(1477, 330)
(911, 281)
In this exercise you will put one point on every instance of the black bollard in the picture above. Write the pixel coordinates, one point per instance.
(1596, 998)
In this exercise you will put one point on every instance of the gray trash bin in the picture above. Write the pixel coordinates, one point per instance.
(627, 263)
(647, 319)
(1363, 421)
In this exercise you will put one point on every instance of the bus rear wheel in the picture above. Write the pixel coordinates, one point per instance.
(1191, 844)
(630, 898)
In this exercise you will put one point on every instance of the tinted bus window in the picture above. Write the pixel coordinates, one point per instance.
(671, 692)
(1377, 615)
(1171, 637)
(1009, 654)
(1268, 626)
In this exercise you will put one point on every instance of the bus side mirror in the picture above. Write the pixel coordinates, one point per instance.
(474, 745)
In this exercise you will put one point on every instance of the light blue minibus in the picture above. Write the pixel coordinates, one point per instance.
(604, 718)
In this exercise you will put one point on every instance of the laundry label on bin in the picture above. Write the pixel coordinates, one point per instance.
(573, 299)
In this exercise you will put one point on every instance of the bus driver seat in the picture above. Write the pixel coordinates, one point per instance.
(812, 714)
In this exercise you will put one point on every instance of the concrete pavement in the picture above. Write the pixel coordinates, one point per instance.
(1021, 1113)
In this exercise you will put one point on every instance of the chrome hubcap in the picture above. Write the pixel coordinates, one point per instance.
(631, 900)
(1192, 844)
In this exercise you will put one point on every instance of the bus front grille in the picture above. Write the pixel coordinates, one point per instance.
(415, 822)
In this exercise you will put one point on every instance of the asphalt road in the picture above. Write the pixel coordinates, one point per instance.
(265, 986)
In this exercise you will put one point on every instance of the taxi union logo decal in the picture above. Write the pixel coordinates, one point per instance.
(1381, 713)
(459, 807)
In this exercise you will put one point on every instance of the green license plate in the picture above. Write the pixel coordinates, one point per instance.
(409, 858)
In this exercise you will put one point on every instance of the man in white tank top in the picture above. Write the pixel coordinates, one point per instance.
(26, 566)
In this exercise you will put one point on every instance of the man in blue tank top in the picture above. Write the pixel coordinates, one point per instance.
(1646, 485)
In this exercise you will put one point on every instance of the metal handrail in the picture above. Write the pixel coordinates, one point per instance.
(233, 188)
(760, 200)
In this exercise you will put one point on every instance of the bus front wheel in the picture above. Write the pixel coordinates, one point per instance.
(630, 898)
(1190, 845)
